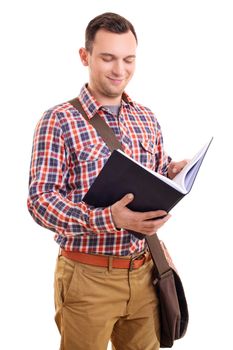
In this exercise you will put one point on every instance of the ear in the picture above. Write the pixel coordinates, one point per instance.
(84, 56)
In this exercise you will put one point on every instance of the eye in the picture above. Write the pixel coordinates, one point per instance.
(129, 60)
(107, 59)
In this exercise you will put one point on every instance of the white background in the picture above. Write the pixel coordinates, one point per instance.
(185, 75)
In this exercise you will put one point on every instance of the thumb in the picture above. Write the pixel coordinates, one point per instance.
(123, 202)
(173, 167)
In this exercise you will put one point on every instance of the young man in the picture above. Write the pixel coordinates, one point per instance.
(98, 296)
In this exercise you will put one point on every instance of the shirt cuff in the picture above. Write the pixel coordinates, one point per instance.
(100, 221)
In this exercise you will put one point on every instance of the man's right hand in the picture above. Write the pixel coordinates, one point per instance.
(146, 223)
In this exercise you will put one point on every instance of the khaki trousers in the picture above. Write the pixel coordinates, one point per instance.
(96, 304)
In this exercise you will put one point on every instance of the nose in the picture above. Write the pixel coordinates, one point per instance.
(118, 68)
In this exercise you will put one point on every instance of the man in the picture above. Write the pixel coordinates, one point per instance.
(103, 283)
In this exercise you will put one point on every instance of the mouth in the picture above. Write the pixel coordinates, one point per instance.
(115, 81)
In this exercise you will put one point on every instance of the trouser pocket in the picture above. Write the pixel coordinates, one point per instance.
(63, 285)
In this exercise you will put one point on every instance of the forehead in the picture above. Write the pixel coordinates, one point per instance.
(122, 44)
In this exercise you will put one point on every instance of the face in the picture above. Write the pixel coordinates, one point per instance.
(111, 65)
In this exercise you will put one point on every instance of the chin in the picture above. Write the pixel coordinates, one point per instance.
(113, 93)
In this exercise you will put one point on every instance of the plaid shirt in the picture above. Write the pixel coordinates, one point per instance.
(68, 155)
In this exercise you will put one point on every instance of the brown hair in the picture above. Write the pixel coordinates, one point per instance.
(109, 21)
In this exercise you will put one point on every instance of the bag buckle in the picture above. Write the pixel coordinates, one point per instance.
(133, 258)
(131, 263)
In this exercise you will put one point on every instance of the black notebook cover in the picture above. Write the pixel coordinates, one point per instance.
(120, 176)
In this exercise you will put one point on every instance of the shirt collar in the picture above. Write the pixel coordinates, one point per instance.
(91, 106)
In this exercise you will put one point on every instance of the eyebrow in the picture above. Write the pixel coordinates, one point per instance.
(106, 54)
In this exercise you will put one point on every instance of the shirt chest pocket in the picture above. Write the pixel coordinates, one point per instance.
(146, 152)
(89, 160)
(92, 153)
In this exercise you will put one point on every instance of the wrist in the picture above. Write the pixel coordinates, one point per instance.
(100, 220)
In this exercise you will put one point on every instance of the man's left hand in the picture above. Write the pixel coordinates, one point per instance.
(175, 167)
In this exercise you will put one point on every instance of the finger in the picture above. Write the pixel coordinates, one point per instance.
(171, 165)
(175, 168)
(123, 202)
(179, 166)
(156, 214)
(182, 164)
(157, 222)
(152, 226)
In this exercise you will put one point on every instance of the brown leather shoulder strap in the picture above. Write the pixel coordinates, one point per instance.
(157, 254)
(99, 124)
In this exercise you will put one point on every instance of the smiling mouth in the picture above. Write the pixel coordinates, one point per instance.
(115, 81)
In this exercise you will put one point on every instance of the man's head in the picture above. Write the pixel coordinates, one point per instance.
(109, 53)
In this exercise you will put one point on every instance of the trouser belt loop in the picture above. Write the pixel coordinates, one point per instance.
(110, 258)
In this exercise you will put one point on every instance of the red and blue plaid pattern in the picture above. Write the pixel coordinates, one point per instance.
(68, 155)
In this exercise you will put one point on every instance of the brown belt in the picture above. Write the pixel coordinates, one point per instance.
(130, 263)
